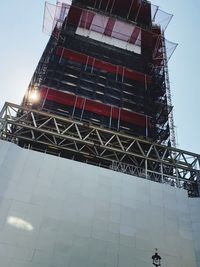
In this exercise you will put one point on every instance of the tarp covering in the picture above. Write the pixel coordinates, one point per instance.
(101, 109)
(111, 27)
(99, 64)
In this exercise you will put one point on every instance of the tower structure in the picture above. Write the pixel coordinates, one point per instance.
(101, 95)
(107, 66)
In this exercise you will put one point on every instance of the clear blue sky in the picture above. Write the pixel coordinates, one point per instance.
(22, 43)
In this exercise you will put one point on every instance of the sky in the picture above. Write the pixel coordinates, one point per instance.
(22, 43)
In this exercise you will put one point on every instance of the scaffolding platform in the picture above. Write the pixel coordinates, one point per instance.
(66, 137)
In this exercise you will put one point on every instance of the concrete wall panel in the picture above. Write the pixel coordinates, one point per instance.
(57, 213)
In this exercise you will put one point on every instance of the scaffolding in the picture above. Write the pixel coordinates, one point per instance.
(99, 146)
(104, 94)
(122, 86)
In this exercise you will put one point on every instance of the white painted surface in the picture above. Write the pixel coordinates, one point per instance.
(195, 220)
(59, 213)
(136, 48)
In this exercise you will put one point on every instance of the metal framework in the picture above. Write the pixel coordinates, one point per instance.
(120, 152)
(169, 97)
(75, 62)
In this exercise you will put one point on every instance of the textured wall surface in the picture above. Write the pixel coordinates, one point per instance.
(59, 213)
(195, 219)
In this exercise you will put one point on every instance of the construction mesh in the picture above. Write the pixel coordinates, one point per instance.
(160, 17)
(55, 14)
(170, 48)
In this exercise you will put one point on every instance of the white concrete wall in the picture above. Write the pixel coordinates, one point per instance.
(59, 213)
(195, 220)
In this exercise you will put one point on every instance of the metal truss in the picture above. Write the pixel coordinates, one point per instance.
(100, 146)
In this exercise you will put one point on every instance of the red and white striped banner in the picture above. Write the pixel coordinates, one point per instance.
(110, 27)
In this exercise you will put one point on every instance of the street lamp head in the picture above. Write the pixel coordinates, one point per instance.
(156, 258)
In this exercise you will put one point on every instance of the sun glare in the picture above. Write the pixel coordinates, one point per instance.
(34, 96)
(19, 223)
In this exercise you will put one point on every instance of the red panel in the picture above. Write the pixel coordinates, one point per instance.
(86, 19)
(81, 58)
(93, 106)
(105, 66)
(134, 35)
(109, 27)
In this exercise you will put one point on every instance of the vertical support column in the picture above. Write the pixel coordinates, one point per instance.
(146, 169)
(3, 120)
(100, 4)
(145, 80)
(123, 74)
(162, 176)
(43, 102)
(107, 5)
(86, 63)
(119, 115)
(83, 108)
(117, 71)
(147, 130)
(112, 6)
(138, 11)
(92, 65)
(198, 182)
(74, 106)
(198, 175)
(61, 55)
(129, 12)
(177, 178)
(110, 123)
(62, 12)
(95, 3)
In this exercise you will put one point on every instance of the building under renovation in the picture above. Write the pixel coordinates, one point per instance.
(100, 95)
(106, 64)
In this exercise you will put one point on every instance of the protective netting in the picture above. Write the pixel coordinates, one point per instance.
(162, 47)
(54, 15)
(162, 54)
(170, 48)
(160, 17)
(57, 13)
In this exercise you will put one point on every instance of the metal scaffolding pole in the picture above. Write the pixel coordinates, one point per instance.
(169, 97)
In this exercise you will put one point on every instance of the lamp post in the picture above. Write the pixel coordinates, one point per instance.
(156, 258)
